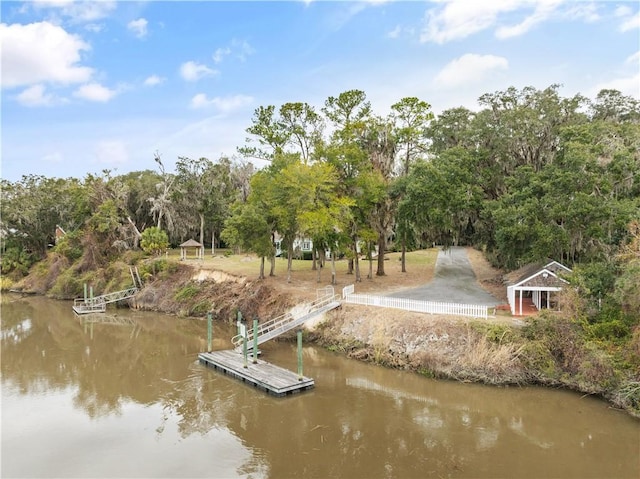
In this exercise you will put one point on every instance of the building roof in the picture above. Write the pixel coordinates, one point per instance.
(538, 275)
(191, 243)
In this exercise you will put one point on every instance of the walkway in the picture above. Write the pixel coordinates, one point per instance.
(454, 281)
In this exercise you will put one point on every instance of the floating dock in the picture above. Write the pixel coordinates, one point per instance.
(262, 375)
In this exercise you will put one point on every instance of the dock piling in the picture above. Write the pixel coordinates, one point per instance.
(300, 355)
(244, 348)
(209, 331)
(255, 340)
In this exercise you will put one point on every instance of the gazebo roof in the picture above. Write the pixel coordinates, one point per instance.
(191, 243)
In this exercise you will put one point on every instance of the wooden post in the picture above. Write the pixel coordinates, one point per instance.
(91, 294)
(255, 340)
(209, 331)
(244, 349)
(239, 322)
(85, 292)
(299, 354)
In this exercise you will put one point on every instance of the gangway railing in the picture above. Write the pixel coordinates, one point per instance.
(98, 304)
(290, 320)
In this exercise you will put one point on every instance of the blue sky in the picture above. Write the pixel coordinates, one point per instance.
(88, 86)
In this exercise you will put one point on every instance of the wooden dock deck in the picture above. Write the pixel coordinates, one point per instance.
(262, 375)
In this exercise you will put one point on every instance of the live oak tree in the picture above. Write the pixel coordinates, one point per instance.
(247, 228)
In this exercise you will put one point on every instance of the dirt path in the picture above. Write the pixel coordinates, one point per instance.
(454, 281)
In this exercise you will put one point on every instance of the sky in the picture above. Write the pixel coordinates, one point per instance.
(105, 85)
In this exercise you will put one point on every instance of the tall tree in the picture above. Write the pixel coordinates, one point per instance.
(247, 228)
(379, 142)
(411, 118)
(161, 203)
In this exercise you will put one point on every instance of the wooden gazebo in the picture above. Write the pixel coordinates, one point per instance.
(191, 246)
(535, 283)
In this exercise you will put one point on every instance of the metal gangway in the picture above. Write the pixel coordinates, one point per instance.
(273, 328)
(98, 304)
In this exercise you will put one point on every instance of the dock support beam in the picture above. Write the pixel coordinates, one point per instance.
(255, 340)
(209, 331)
(299, 354)
(85, 292)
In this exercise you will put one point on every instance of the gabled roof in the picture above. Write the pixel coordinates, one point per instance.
(191, 244)
(557, 267)
(538, 275)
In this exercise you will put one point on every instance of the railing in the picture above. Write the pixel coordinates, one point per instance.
(118, 295)
(286, 322)
(432, 307)
(98, 304)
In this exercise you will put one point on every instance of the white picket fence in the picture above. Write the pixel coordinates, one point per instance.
(431, 307)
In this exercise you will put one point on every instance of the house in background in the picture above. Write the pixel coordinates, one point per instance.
(303, 247)
(533, 286)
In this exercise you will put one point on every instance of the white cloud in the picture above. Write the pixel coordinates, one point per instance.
(95, 92)
(153, 80)
(622, 11)
(635, 58)
(138, 27)
(220, 53)
(112, 152)
(469, 68)
(223, 104)
(35, 96)
(627, 80)
(459, 18)
(41, 52)
(542, 12)
(395, 33)
(582, 10)
(243, 49)
(94, 27)
(240, 49)
(55, 157)
(630, 23)
(79, 12)
(628, 85)
(192, 71)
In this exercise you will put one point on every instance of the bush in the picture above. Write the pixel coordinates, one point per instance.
(160, 266)
(70, 246)
(16, 260)
(154, 241)
(67, 285)
(201, 308)
(187, 292)
(6, 283)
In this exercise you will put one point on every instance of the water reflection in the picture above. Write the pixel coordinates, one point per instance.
(125, 393)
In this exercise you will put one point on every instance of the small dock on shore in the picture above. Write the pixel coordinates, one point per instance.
(261, 375)
(98, 304)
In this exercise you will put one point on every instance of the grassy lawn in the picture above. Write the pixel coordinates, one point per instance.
(420, 266)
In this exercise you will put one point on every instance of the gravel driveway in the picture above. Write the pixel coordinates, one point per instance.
(454, 282)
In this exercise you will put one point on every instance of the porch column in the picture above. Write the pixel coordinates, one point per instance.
(548, 299)
(520, 302)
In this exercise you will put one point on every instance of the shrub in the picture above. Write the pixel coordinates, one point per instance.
(187, 292)
(70, 246)
(201, 308)
(154, 241)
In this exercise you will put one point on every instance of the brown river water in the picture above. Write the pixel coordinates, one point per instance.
(124, 396)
